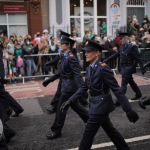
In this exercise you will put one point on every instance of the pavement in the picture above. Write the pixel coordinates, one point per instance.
(33, 124)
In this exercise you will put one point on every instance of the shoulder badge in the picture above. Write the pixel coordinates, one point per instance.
(103, 64)
(71, 55)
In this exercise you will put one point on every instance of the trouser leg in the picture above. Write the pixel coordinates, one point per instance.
(134, 87)
(12, 102)
(60, 116)
(124, 82)
(55, 100)
(81, 111)
(89, 133)
(114, 135)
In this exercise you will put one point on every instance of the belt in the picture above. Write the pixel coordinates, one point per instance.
(67, 77)
(125, 63)
(98, 93)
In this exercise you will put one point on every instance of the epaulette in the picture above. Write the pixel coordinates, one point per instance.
(103, 64)
(71, 55)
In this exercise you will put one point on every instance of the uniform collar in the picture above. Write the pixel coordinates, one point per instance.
(93, 64)
(65, 53)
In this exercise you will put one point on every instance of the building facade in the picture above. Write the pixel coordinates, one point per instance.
(73, 16)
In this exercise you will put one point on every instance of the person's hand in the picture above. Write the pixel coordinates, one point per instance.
(46, 82)
(65, 105)
(105, 61)
(132, 116)
(143, 71)
(147, 65)
(115, 49)
(140, 102)
(47, 64)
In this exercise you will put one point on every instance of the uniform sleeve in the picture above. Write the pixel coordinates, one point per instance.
(111, 82)
(80, 92)
(75, 67)
(113, 56)
(54, 61)
(55, 77)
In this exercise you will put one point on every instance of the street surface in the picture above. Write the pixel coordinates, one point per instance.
(33, 124)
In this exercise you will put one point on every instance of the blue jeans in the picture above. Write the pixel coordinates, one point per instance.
(30, 67)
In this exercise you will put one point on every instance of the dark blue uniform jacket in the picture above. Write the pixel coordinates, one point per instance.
(129, 57)
(99, 84)
(70, 73)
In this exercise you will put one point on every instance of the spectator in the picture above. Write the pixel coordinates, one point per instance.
(28, 49)
(18, 56)
(5, 60)
(111, 44)
(104, 28)
(102, 39)
(54, 49)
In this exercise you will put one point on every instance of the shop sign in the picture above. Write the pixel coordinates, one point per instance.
(115, 13)
(11, 7)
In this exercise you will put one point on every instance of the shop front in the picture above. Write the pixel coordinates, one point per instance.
(20, 17)
(76, 16)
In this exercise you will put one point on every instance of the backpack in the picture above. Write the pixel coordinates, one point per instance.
(19, 62)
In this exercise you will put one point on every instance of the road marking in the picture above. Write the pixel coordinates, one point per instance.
(135, 139)
(29, 97)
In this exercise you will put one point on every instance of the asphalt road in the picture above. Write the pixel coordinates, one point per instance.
(34, 123)
(32, 127)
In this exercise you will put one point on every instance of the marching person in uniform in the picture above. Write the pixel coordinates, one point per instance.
(57, 60)
(129, 57)
(71, 80)
(5, 111)
(3, 93)
(99, 80)
(145, 100)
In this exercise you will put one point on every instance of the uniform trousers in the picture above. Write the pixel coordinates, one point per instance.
(93, 124)
(55, 100)
(60, 116)
(11, 101)
(127, 78)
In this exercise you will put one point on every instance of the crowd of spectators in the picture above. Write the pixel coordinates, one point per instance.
(18, 50)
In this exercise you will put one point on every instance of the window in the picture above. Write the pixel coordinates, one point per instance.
(16, 23)
(87, 15)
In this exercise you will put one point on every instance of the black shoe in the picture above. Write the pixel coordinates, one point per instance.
(8, 133)
(141, 104)
(53, 135)
(136, 97)
(17, 113)
(51, 110)
(116, 103)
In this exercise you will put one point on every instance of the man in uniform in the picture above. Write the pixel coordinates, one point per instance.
(3, 93)
(57, 60)
(99, 80)
(71, 80)
(129, 56)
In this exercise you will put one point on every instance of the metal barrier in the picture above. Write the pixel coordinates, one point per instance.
(145, 53)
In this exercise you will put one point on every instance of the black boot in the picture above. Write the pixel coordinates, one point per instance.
(8, 133)
(144, 101)
(52, 109)
(136, 97)
(116, 103)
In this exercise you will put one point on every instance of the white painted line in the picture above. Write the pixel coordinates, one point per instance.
(29, 97)
(135, 139)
